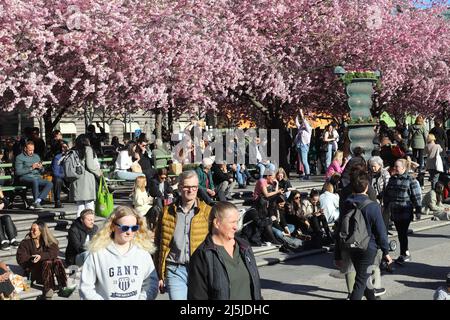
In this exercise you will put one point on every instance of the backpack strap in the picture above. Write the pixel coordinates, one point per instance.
(364, 204)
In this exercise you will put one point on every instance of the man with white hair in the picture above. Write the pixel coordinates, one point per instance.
(206, 186)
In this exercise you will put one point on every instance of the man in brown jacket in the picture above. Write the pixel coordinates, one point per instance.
(182, 227)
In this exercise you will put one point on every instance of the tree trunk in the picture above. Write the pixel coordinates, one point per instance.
(158, 124)
(48, 123)
(170, 120)
(51, 124)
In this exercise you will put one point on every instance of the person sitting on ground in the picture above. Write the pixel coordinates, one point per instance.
(80, 233)
(329, 202)
(432, 203)
(296, 216)
(223, 180)
(312, 210)
(206, 183)
(38, 255)
(267, 187)
(8, 232)
(277, 213)
(28, 167)
(443, 293)
(7, 290)
(142, 202)
(337, 165)
(283, 182)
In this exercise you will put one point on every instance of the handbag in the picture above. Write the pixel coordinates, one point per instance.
(136, 167)
(104, 204)
(439, 163)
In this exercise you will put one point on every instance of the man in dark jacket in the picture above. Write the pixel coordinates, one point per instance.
(363, 259)
(81, 232)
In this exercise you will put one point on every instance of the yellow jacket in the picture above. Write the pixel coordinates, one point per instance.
(166, 229)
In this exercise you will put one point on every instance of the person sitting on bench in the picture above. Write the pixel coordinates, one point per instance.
(28, 166)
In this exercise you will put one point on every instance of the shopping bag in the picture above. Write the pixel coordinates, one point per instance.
(104, 203)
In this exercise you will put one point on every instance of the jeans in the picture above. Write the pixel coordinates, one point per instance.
(362, 260)
(8, 230)
(36, 183)
(128, 175)
(434, 177)
(81, 205)
(58, 185)
(241, 177)
(279, 234)
(176, 281)
(262, 167)
(402, 227)
(329, 155)
(418, 157)
(303, 150)
(81, 258)
(225, 189)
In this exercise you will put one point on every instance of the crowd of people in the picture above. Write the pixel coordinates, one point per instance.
(183, 237)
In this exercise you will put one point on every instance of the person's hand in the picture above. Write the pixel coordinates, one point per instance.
(307, 223)
(36, 258)
(5, 276)
(212, 193)
(273, 218)
(388, 258)
(287, 234)
(162, 287)
(35, 165)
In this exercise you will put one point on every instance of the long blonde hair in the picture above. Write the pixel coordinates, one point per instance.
(46, 238)
(140, 183)
(142, 238)
(337, 155)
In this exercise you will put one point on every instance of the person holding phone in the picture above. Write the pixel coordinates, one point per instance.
(28, 169)
(316, 217)
(38, 256)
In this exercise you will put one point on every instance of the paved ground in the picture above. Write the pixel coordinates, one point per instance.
(314, 277)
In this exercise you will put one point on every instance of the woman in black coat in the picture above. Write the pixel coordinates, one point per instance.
(223, 267)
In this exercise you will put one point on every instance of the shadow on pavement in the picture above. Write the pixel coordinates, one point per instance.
(300, 289)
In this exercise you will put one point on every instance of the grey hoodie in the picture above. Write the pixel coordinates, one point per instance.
(108, 275)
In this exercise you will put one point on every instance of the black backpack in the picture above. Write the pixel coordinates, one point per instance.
(353, 234)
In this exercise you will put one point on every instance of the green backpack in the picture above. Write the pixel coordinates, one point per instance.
(104, 203)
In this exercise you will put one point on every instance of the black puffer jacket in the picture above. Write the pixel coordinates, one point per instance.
(208, 278)
(77, 237)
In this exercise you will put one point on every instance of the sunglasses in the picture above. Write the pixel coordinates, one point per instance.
(296, 197)
(125, 228)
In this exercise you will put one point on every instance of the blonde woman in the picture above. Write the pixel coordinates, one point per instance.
(434, 161)
(120, 266)
(142, 202)
(337, 165)
(283, 182)
(38, 256)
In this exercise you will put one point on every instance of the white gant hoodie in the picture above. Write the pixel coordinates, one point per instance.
(108, 275)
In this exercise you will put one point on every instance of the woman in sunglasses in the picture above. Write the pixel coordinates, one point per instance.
(120, 266)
